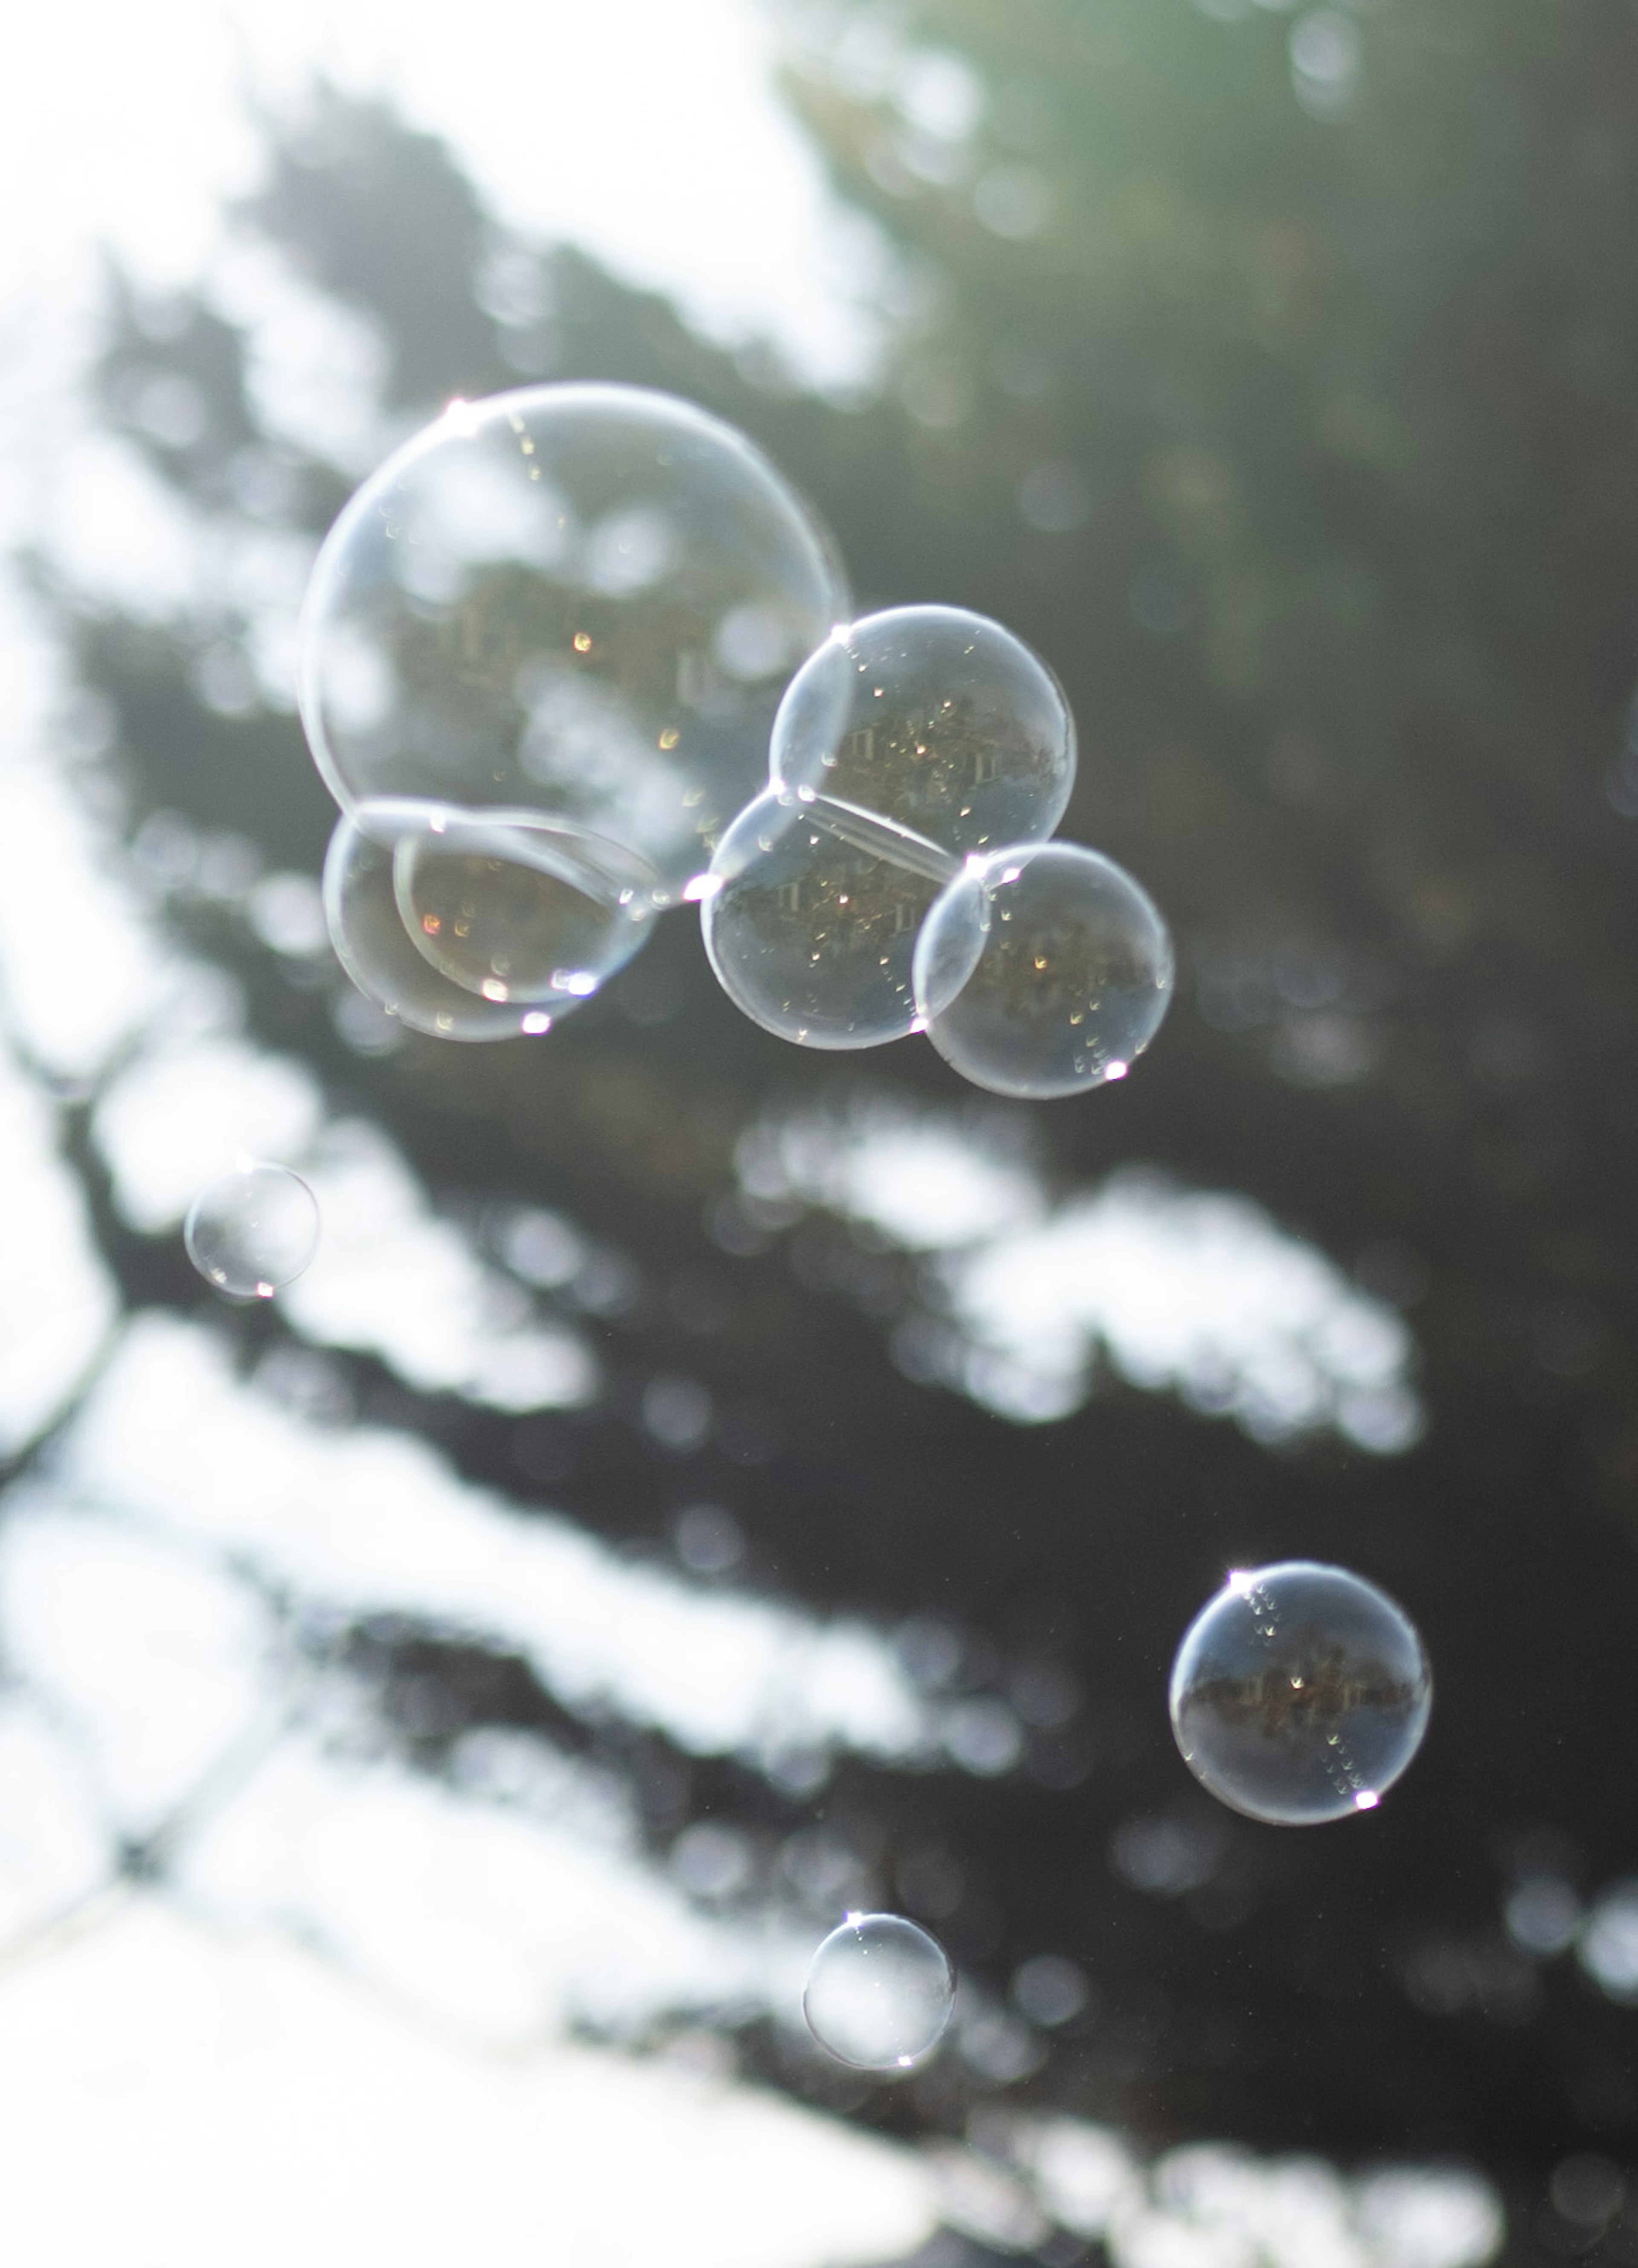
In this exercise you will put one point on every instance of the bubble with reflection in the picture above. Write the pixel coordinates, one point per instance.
(811, 917)
(937, 720)
(1300, 1694)
(252, 1230)
(515, 908)
(581, 601)
(376, 949)
(879, 1992)
(1042, 971)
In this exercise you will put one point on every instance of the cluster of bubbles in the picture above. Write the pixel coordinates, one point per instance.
(578, 654)
(572, 656)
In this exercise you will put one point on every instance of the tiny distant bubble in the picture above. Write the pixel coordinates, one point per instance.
(1300, 1694)
(253, 1230)
(878, 1993)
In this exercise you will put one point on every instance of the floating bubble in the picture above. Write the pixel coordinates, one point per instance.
(252, 1230)
(516, 907)
(377, 951)
(581, 601)
(1042, 969)
(939, 721)
(810, 919)
(1300, 1694)
(879, 1992)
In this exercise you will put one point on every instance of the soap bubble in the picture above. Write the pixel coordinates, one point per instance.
(516, 907)
(252, 1229)
(879, 1992)
(810, 920)
(582, 601)
(1042, 969)
(1300, 1694)
(377, 951)
(939, 721)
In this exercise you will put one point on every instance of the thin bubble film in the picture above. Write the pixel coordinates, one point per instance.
(252, 1230)
(937, 719)
(1042, 971)
(811, 918)
(583, 601)
(1300, 1694)
(879, 1992)
(514, 908)
(376, 949)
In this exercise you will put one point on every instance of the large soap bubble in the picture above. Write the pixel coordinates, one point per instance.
(811, 919)
(939, 721)
(1042, 971)
(375, 947)
(579, 600)
(1300, 1694)
(252, 1230)
(879, 1992)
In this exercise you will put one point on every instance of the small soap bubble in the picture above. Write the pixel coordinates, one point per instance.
(515, 908)
(1300, 1694)
(811, 921)
(377, 951)
(583, 601)
(939, 721)
(252, 1230)
(1042, 971)
(879, 1992)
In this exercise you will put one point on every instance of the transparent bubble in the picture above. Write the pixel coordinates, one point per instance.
(939, 721)
(1042, 969)
(377, 951)
(1300, 1694)
(581, 601)
(879, 1992)
(811, 917)
(252, 1229)
(516, 907)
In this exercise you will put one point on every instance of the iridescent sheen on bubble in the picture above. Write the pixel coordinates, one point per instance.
(513, 907)
(252, 1230)
(1042, 971)
(937, 719)
(1300, 1694)
(581, 601)
(811, 919)
(376, 949)
(878, 1993)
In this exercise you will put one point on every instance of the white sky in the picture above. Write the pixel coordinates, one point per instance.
(648, 131)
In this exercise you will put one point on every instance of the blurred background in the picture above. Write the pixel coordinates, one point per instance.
(701, 1488)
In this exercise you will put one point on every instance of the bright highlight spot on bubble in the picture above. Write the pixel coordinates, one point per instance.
(252, 1230)
(1042, 970)
(879, 1992)
(1300, 1694)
